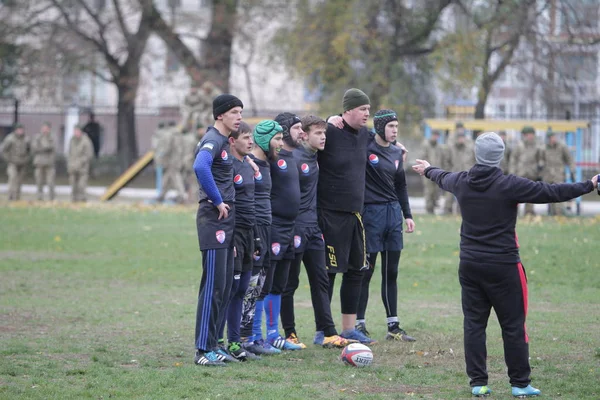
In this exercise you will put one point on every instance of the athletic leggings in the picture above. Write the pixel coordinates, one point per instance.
(389, 286)
(349, 290)
(234, 308)
(252, 294)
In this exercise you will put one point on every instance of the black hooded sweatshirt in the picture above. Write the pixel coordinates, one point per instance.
(489, 202)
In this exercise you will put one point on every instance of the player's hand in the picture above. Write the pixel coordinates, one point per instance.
(223, 211)
(421, 166)
(257, 246)
(234, 251)
(595, 181)
(410, 225)
(251, 162)
(336, 121)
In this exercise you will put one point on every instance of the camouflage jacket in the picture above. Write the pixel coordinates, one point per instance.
(557, 157)
(81, 153)
(16, 149)
(43, 149)
(527, 160)
(432, 152)
(459, 157)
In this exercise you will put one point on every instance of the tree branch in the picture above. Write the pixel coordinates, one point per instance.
(122, 24)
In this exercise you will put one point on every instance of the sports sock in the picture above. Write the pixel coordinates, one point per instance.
(257, 323)
(272, 310)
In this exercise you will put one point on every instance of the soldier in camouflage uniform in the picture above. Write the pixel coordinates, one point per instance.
(16, 151)
(527, 160)
(431, 150)
(43, 148)
(172, 158)
(458, 156)
(557, 156)
(190, 141)
(81, 153)
(505, 164)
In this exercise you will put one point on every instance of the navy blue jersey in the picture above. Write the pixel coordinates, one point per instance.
(217, 146)
(308, 169)
(385, 180)
(262, 192)
(285, 194)
(342, 169)
(243, 182)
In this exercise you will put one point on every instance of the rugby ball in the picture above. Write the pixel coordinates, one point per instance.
(357, 355)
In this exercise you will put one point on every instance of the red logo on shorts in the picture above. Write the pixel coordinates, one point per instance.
(276, 248)
(297, 241)
(220, 236)
(224, 155)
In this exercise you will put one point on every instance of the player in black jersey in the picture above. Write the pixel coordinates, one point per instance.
(285, 203)
(308, 243)
(386, 200)
(215, 223)
(268, 139)
(340, 198)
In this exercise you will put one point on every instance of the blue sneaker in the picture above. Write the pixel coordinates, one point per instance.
(528, 391)
(208, 359)
(481, 391)
(354, 334)
(261, 347)
(319, 337)
(282, 344)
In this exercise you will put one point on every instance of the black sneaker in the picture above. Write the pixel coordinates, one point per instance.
(208, 359)
(400, 335)
(362, 328)
(239, 353)
(223, 355)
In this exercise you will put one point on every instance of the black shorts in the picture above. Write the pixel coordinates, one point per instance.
(212, 232)
(264, 258)
(282, 239)
(344, 240)
(243, 241)
(308, 238)
(383, 227)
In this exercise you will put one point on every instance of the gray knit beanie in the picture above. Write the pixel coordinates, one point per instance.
(489, 149)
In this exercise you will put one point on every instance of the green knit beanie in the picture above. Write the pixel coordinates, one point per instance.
(527, 129)
(354, 98)
(264, 131)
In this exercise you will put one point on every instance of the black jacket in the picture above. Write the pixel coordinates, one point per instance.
(489, 202)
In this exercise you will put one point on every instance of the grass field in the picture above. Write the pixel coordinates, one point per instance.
(99, 302)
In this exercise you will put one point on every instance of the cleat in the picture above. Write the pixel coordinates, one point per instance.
(525, 392)
(332, 342)
(282, 344)
(208, 359)
(223, 355)
(260, 347)
(401, 335)
(481, 391)
(240, 353)
(294, 339)
(362, 328)
(358, 336)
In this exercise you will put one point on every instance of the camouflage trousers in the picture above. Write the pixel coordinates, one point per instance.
(431, 194)
(16, 175)
(78, 181)
(44, 175)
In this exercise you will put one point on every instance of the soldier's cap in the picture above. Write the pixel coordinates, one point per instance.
(18, 125)
(161, 125)
(550, 133)
(199, 125)
(172, 123)
(527, 129)
(459, 125)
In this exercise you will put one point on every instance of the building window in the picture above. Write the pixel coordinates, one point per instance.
(501, 110)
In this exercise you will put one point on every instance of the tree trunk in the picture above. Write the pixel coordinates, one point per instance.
(480, 106)
(127, 150)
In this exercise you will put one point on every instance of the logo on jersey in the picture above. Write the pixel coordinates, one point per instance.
(220, 236)
(373, 159)
(276, 248)
(224, 155)
(209, 146)
(305, 168)
(297, 241)
(397, 162)
(282, 164)
(257, 176)
(238, 180)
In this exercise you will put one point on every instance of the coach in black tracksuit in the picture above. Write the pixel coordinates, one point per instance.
(490, 270)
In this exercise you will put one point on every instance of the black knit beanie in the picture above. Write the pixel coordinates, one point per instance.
(224, 103)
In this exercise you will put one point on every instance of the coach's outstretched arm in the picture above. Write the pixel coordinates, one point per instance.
(527, 191)
(444, 179)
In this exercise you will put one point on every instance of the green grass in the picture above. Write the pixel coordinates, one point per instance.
(99, 302)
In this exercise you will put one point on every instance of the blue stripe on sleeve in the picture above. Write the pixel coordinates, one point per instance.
(202, 168)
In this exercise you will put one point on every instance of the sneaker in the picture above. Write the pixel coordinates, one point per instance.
(401, 335)
(331, 342)
(223, 355)
(282, 344)
(362, 328)
(528, 391)
(238, 352)
(353, 334)
(208, 358)
(294, 339)
(481, 391)
(260, 347)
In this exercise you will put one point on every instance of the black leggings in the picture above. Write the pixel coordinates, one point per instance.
(389, 286)
(349, 291)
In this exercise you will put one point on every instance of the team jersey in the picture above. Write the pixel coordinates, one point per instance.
(243, 182)
(385, 179)
(222, 163)
(262, 192)
(285, 193)
(308, 169)
(341, 184)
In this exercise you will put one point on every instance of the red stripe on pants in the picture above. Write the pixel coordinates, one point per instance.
(525, 295)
